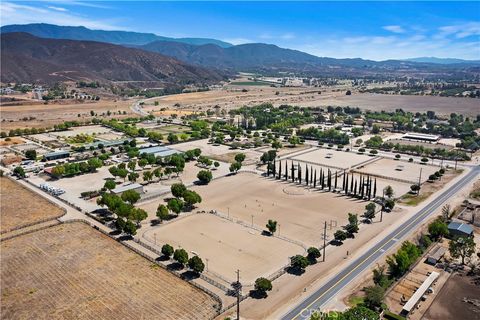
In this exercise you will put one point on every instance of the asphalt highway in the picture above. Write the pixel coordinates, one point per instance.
(332, 287)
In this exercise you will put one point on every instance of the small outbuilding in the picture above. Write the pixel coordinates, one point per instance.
(460, 229)
(56, 155)
(134, 186)
(436, 255)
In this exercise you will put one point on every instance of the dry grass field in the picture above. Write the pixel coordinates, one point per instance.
(47, 115)
(300, 212)
(20, 206)
(228, 246)
(11, 141)
(232, 97)
(71, 271)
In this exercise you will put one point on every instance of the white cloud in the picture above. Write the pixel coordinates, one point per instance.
(236, 41)
(14, 13)
(459, 31)
(57, 8)
(288, 36)
(394, 29)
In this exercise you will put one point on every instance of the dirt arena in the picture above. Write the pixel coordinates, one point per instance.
(300, 212)
(399, 170)
(227, 245)
(20, 206)
(334, 158)
(71, 271)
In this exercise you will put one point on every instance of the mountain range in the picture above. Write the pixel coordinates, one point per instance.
(44, 30)
(26, 58)
(129, 56)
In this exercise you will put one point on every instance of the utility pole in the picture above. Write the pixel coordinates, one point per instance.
(324, 239)
(238, 289)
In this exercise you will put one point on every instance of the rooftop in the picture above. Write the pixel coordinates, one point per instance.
(420, 291)
(127, 187)
(460, 226)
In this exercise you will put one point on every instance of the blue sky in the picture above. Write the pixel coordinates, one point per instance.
(370, 30)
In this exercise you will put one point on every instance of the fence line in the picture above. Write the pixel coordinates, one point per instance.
(30, 231)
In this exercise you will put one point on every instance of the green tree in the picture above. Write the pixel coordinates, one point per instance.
(130, 196)
(374, 297)
(130, 228)
(181, 256)
(122, 173)
(31, 154)
(370, 211)
(204, 176)
(359, 312)
(352, 226)
(138, 215)
(178, 189)
(240, 157)
(132, 176)
(262, 285)
(462, 247)
(132, 164)
(438, 229)
(234, 167)
(167, 250)
(340, 235)
(271, 226)
(196, 264)
(172, 138)
(299, 262)
(191, 198)
(389, 191)
(110, 184)
(162, 212)
(19, 172)
(175, 205)
(313, 254)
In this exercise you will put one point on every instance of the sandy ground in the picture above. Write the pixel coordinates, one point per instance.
(399, 170)
(300, 212)
(232, 97)
(330, 157)
(90, 130)
(19, 206)
(72, 271)
(228, 246)
(46, 115)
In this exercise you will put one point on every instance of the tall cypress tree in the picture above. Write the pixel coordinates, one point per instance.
(343, 183)
(286, 170)
(293, 173)
(361, 186)
(299, 173)
(355, 189)
(329, 180)
(311, 175)
(351, 183)
(315, 179)
(336, 176)
(279, 170)
(346, 184)
(375, 188)
(306, 175)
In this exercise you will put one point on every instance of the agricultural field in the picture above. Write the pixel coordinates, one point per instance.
(11, 141)
(227, 245)
(20, 206)
(72, 271)
(332, 158)
(403, 170)
(37, 114)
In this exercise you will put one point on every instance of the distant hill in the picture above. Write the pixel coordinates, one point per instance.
(52, 31)
(443, 60)
(270, 59)
(26, 58)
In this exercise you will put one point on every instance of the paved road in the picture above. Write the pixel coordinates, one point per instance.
(353, 271)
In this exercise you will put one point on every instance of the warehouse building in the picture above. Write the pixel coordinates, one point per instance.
(56, 155)
(134, 186)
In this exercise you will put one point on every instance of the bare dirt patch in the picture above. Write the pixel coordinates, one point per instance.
(332, 158)
(11, 141)
(20, 206)
(450, 303)
(71, 271)
(228, 246)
